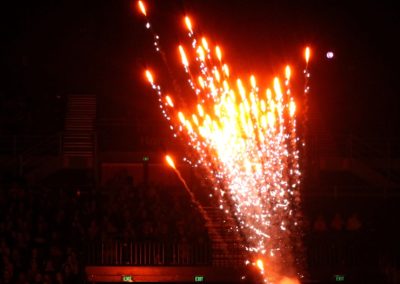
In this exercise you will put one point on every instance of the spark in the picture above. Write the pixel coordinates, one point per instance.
(218, 53)
(288, 72)
(169, 101)
(205, 43)
(170, 162)
(260, 265)
(142, 8)
(292, 108)
(307, 54)
(149, 77)
(193, 199)
(188, 23)
(185, 62)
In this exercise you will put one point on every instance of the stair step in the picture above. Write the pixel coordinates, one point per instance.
(82, 99)
(79, 136)
(79, 123)
(78, 154)
(79, 144)
(71, 126)
(78, 113)
(88, 140)
(81, 116)
(85, 108)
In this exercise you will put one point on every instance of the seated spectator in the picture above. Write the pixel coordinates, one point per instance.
(320, 224)
(353, 224)
(337, 222)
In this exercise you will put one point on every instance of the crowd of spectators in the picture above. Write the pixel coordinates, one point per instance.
(360, 242)
(337, 223)
(148, 212)
(38, 240)
(44, 231)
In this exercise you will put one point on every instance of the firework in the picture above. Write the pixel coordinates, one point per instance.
(245, 137)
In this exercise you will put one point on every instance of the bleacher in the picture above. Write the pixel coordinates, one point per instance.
(123, 215)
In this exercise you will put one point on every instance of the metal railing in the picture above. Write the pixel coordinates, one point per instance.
(356, 255)
(117, 252)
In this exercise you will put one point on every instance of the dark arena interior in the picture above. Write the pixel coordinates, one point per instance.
(86, 195)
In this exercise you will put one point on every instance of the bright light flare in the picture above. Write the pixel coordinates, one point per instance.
(149, 77)
(200, 52)
(142, 8)
(169, 101)
(181, 117)
(253, 81)
(188, 24)
(288, 72)
(184, 59)
(226, 69)
(330, 54)
(218, 53)
(170, 161)
(200, 110)
(260, 264)
(307, 54)
(204, 43)
(292, 108)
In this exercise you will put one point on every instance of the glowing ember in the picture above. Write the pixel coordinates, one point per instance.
(245, 136)
(149, 77)
(170, 161)
(188, 24)
(142, 8)
(307, 54)
(260, 265)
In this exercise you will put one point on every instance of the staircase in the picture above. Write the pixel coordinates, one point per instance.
(79, 133)
(227, 244)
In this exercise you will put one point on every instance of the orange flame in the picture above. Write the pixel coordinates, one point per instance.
(226, 69)
(170, 161)
(185, 62)
(218, 53)
(253, 81)
(260, 264)
(205, 43)
(181, 117)
(287, 72)
(188, 24)
(292, 108)
(149, 77)
(169, 101)
(200, 109)
(142, 7)
(307, 54)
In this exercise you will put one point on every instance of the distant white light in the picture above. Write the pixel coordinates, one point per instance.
(330, 55)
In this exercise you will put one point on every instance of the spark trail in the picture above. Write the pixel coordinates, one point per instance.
(193, 199)
(245, 137)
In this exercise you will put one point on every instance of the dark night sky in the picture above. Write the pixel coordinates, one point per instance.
(101, 47)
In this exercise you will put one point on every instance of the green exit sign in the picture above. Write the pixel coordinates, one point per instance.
(339, 278)
(127, 278)
(199, 278)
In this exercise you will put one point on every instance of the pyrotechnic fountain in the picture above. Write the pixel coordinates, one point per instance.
(245, 137)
